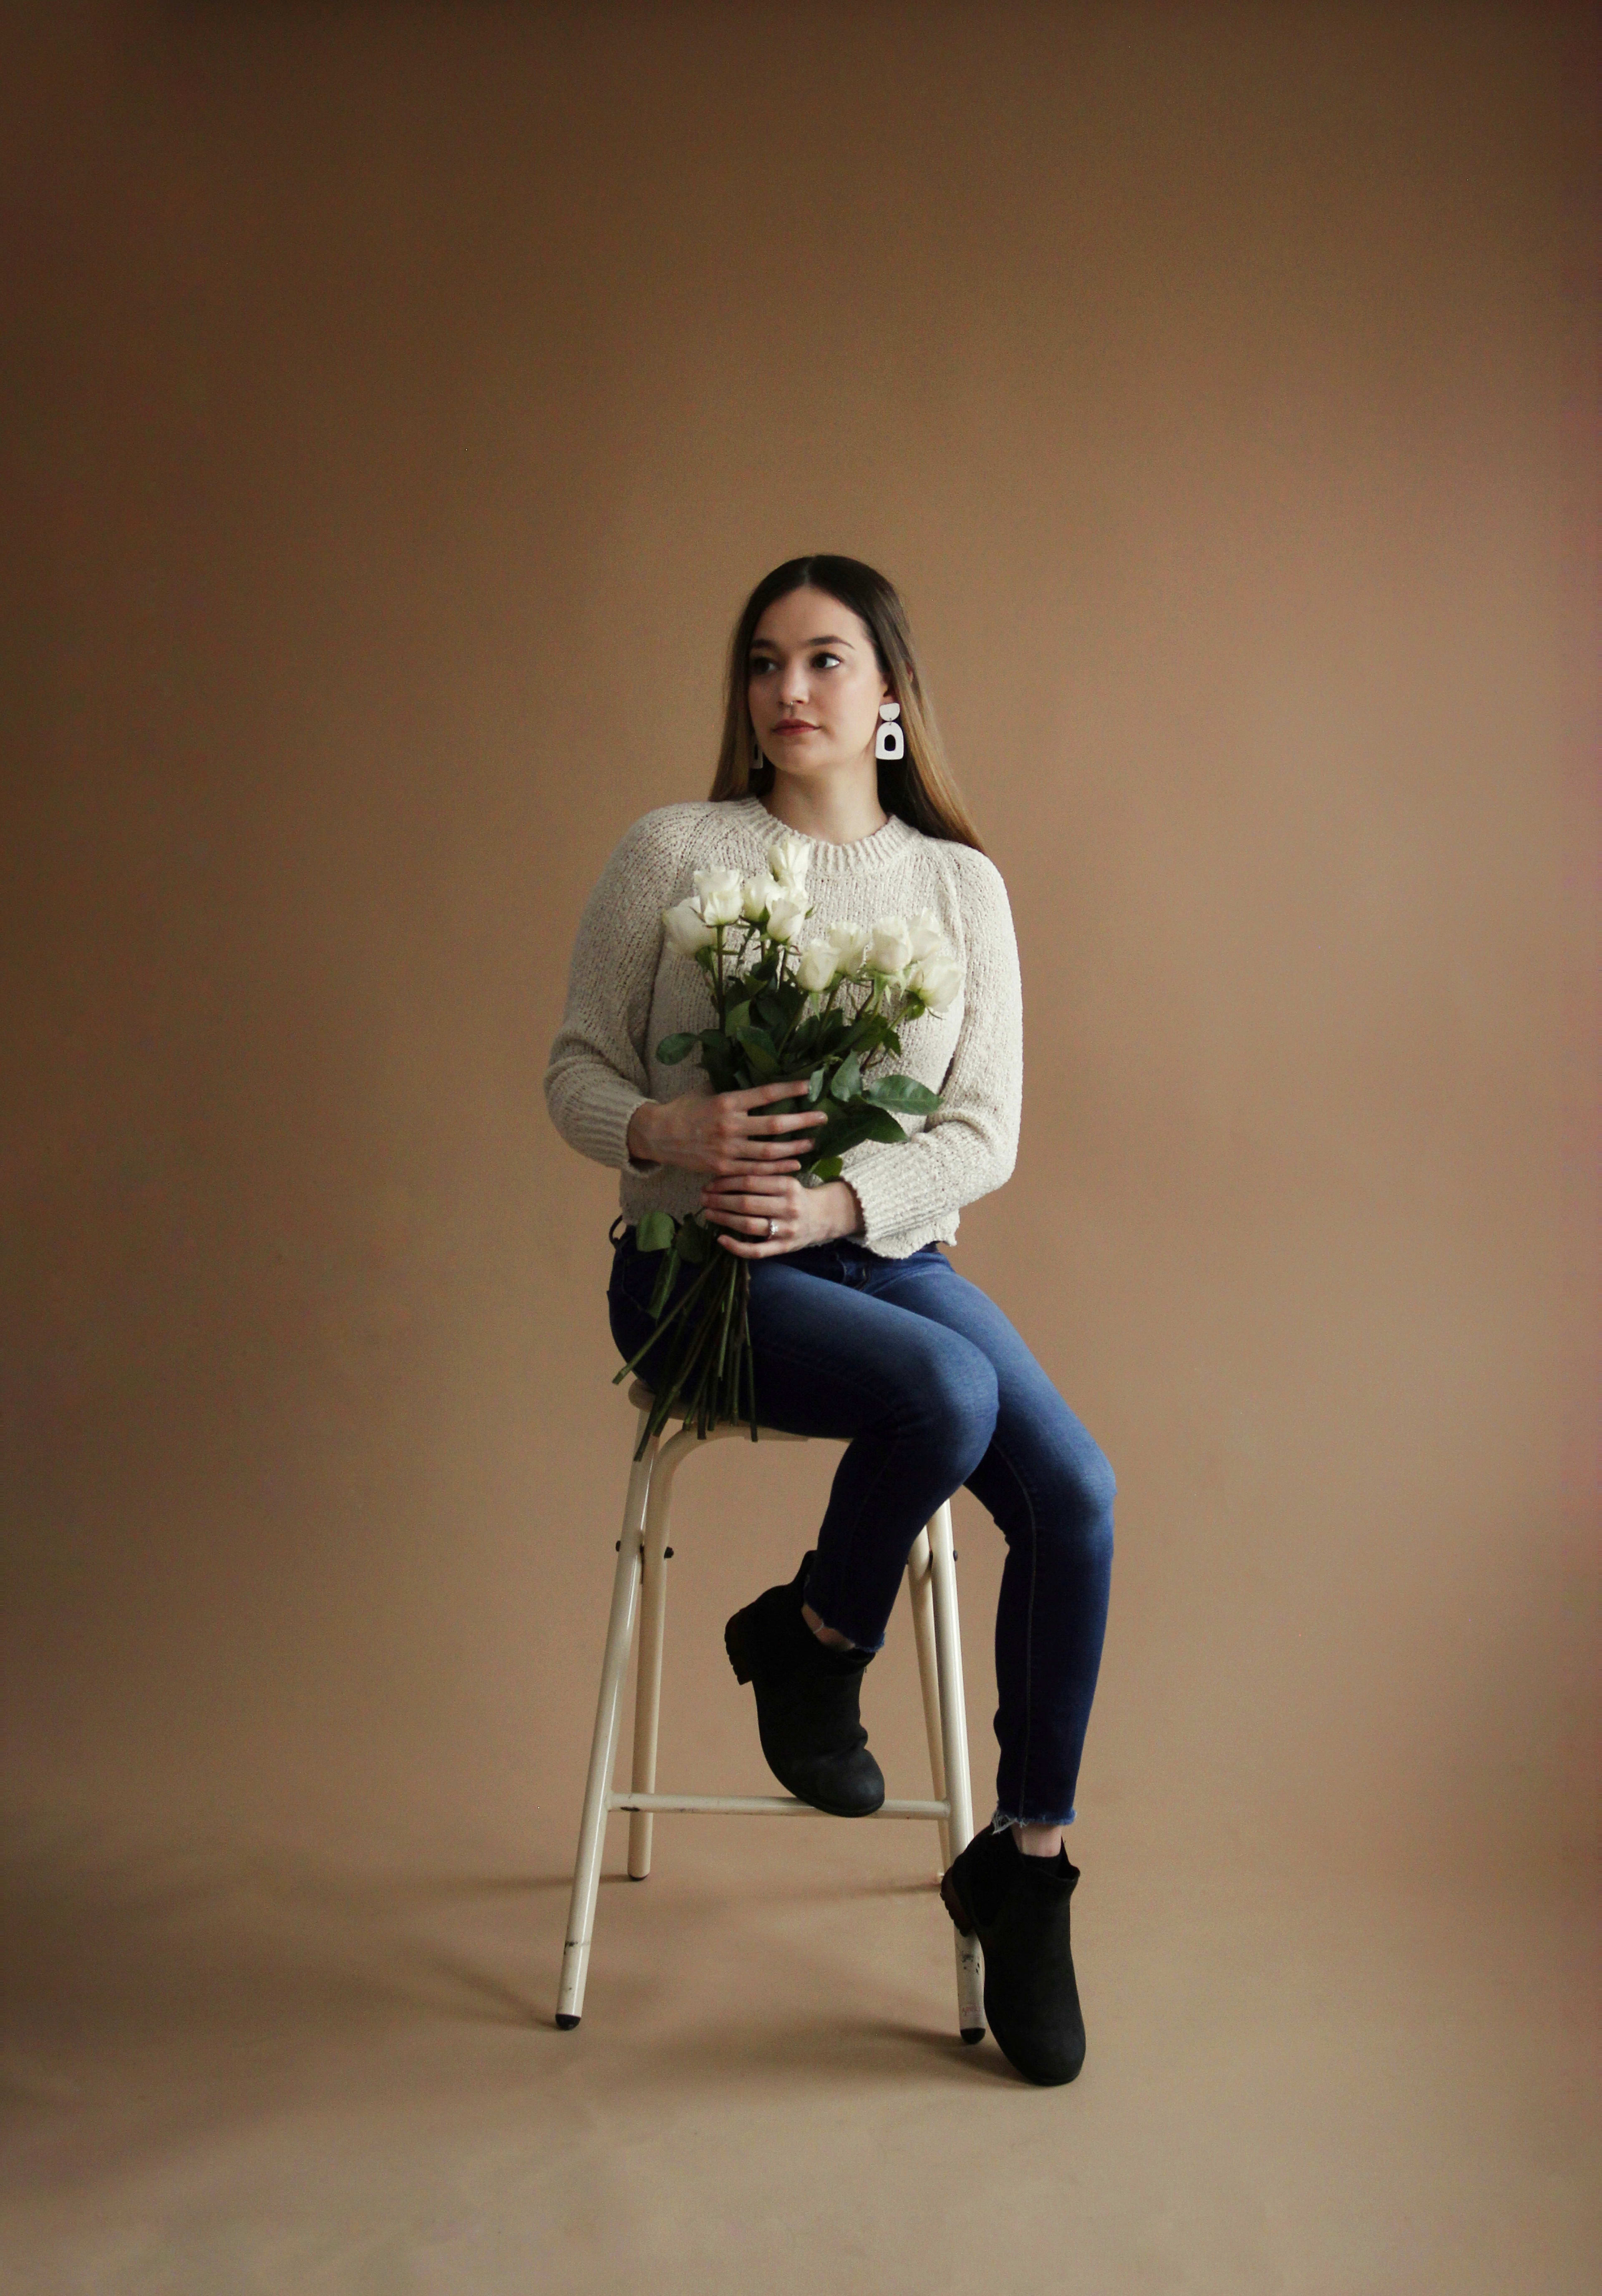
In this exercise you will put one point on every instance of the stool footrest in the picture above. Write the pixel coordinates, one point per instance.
(763, 1805)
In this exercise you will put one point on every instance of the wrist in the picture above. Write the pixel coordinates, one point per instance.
(844, 1211)
(638, 1139)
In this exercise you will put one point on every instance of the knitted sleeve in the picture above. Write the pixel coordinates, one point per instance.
(970, 1145)
(596, 1078)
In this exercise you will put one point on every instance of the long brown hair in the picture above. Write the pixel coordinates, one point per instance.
(917, 786)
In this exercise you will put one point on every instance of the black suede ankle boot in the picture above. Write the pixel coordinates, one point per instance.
(1018, 1909)
(806, 1711)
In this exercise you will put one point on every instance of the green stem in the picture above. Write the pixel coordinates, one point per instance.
(670, 1383)
(671, 1316)
(688, 1380)
(750, 1360)
(729, 1308)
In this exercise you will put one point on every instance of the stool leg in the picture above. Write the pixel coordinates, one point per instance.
(954, 1731)
(592, 1828)
(920, 1593)
(648, 1690)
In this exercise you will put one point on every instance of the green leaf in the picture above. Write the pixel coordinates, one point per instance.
(654, 1231)
(736, 1018)
(828, 1169)
(673, 1049)
(872, 1028)
(860, 1121)
(694, 1243)
(716, 1056)
(904, 1093)
(815, 1085)
(847, 1082)
(758, 1049)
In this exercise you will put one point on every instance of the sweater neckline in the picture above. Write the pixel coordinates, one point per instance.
(886, 843)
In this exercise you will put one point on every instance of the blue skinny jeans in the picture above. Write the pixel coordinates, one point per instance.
(932, 1390)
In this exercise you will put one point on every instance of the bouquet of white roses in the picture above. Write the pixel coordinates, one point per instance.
(825, 1014)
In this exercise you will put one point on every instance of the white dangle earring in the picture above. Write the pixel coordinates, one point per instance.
(890, 742)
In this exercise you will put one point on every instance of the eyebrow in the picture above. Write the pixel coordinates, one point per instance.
(757, 644)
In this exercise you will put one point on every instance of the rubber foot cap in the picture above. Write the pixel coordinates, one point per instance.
(639, 1877)
(564, 2023)
(972, 2034)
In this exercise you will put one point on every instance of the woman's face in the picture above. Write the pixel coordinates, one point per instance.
(814, 685)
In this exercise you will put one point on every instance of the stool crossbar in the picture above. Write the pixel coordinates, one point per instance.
(640, 1585)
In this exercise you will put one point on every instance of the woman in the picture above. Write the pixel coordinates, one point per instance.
(860, 1327)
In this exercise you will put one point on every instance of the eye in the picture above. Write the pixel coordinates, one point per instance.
(819, 660)
(760, 664)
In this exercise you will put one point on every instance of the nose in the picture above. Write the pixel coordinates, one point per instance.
(792, 685)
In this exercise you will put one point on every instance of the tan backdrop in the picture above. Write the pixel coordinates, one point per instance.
(405, 400)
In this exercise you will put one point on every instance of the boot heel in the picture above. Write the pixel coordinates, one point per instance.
(953, 1904)
(734, 1643)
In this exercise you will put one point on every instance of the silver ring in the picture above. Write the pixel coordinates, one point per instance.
(772, 1226)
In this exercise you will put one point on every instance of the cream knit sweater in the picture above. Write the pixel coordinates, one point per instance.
(627, 990)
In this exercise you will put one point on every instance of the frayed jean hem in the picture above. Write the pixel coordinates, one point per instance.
(873, 1649)
(1000, 1820)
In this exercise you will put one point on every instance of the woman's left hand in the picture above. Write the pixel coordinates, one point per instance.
(745, 1203)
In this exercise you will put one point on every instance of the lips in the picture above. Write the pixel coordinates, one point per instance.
(795, 725)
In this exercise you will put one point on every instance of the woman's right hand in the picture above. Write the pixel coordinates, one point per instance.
(723, 1131)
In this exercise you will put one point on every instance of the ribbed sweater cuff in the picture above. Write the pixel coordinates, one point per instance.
(892, 1195)
(600, 1125)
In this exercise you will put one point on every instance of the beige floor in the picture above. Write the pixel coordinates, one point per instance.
(257, 2070)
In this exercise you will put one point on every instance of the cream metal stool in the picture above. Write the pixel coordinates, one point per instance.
(643, 1553)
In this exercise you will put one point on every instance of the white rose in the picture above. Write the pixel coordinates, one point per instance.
(817, 968)
(687, 929)
(937, 980)
(888, 944)
(789, 859)
(758, 894)
(718, 894)
(785, 912)
(927, 936)
(850, 944)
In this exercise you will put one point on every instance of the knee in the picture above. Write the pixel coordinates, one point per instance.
(1089, 1488)
(1100, 1483)
(958, 1399)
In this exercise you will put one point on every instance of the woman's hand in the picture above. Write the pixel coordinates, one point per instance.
(767, 1213)
(725, 1133)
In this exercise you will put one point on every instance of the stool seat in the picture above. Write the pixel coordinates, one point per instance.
(640, 1584)
(642, 1397)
